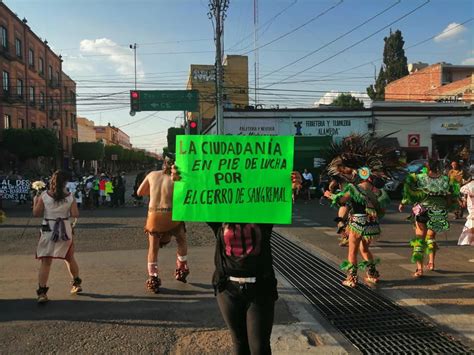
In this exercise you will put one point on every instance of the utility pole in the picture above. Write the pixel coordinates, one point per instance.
(255, 48)
(217, 13)
(134, 47)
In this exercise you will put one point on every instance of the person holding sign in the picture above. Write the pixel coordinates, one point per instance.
(159, 225)
(56, 236)
(240, 186)
(244, 279)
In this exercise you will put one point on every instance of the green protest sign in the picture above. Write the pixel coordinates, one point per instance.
(234, 179)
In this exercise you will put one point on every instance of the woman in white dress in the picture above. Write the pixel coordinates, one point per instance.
(57, 207)
(467, 191)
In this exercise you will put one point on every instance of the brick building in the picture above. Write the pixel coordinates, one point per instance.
(35, 93)
(85, 130)
(438, 82)
(112, 135)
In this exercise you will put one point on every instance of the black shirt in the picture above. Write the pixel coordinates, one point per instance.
(243, 250)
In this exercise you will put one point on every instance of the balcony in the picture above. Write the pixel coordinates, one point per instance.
(54, 115)
(5, 52)
(53, 83)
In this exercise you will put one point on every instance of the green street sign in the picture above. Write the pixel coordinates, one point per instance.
(164, 100)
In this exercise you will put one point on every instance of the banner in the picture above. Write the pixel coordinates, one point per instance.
(14, 189)
(244, 179)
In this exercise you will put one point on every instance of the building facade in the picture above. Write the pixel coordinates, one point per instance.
(111, 135)
(85, 130)
(202, 78)
(438, 82)
(35, 93)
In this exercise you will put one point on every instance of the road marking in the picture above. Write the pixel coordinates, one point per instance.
(331, 233)
(471, 261)
(304, 220)
(312, 224)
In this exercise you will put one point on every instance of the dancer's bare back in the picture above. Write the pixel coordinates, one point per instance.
(159, 186)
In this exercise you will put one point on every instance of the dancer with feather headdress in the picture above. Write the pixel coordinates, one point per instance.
(365, 198)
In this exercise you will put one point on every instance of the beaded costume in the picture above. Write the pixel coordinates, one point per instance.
(372, 162)
(432, 198)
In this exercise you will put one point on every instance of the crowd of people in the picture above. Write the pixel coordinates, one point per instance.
(244, 279)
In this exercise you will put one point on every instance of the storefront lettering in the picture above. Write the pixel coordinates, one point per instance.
(452, 126)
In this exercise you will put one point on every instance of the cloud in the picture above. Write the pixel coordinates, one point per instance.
(329, 97)
(468, 61)
(451, 31)
(120, 57)
(77, 65)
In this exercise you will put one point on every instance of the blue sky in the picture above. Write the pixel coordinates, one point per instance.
(93, 37)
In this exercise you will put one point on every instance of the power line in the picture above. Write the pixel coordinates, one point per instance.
(354, 44)
(334, 40)
(314, 18)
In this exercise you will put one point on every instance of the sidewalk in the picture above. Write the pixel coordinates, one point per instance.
(115, 313)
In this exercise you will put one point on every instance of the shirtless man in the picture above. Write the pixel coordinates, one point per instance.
(159, 225)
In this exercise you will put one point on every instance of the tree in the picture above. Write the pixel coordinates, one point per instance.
(30, 143)
(171, 137)
(88, 150)
(347, 101)
(394, 65)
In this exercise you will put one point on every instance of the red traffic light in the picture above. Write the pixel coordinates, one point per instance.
(193, 124)
(134, 94)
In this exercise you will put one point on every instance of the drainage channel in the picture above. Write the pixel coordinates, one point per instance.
(371, 322)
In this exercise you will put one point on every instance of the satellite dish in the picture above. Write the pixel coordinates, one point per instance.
(132, 113)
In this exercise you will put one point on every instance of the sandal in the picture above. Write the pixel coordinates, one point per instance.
(430, 266)
(350, 281)
(41, 292)
(182, 271)
(418, 273)
(76, 285)
(372, 277)
(153, 284)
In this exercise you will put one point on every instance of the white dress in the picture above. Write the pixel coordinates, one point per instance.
(467, 236)
(55, 242)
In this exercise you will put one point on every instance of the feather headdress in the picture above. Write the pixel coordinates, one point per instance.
(364, 153)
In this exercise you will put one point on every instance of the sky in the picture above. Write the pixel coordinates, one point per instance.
(306, 48)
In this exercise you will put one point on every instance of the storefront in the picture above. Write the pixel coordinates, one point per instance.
(452, 137)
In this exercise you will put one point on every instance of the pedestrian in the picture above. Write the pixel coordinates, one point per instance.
(244, 280)
(307, 182)
(56, 206)
(102, 181)
(456, 174)
(467, 191)
(432, 195)
(372, 162)
(160, 227)
(109, 192)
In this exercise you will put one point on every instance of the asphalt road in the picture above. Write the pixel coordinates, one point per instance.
(116, 314)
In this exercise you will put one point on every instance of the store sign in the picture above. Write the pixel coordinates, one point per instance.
(462, 126)
(203, 75)
(413, 140)
(312, 127)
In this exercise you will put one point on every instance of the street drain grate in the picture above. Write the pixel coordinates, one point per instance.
(371, 322)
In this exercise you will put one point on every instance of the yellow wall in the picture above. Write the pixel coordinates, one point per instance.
(202, 78)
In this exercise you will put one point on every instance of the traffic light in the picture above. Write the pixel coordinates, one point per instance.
(193, 127)
(134, 101)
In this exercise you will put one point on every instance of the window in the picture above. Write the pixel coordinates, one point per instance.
(31, 58)
(32, 95)
(42, 100)
(50, 73)
(66, 120)
(72, 120)
(18, 48)
(21, 123)
(19, 87)
(6, 82)
(7, 121)
(72, 95)
(41, 66)
(33, 124)
(4, 37)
